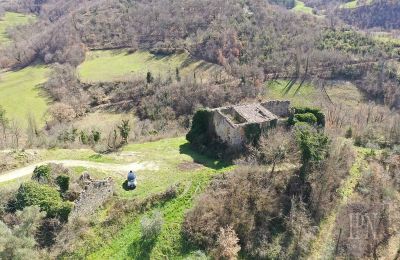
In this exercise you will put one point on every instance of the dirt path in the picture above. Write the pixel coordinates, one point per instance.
(123, 168)
(320, 247)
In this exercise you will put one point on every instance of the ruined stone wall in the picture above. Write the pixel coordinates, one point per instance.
(94, 194)
(233, 136)
(277, 107)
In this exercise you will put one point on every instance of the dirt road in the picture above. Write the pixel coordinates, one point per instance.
(122, 168)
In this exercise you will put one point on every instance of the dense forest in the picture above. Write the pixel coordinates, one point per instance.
(382, 14)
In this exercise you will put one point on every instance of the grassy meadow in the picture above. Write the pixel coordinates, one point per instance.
(112, 65)
(20, 93)
(354, 4)
(11, 19)
(301, 7)
(308, 95)
(177, 165)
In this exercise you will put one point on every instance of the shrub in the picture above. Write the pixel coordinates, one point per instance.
(151, 226)
(44, 196)
(199, 133)
(349, 133)
(253, 133)
(84, 137)
(96, 136)
(319, 115)
(124, 130)
(313, 145)
(18, 242)
(306, 117)
(64, 210)
(249, 200)
(63, 182)
(42, 173)
(227, 244)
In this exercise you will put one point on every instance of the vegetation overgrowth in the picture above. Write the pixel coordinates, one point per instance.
(112, 82)
(11, 19)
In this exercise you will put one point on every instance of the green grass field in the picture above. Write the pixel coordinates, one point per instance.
(301, 7)
(111, 65)
(386, 37)
(178, 164)
(12, 19)
(308, 95)
(20, 94)
(354, 4)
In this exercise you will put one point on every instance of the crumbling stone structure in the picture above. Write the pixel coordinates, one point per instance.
(237, 125)
(94, 194)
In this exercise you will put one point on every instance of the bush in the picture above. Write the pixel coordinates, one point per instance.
(227, 244)
(349, 133)
(84, 137)
(249, 200)
(46, 197)
(253, 133)
(313, 145)
(319, 115)
(63, 182)
(306, 117)
(199, 133)
(64, 210)
(42, 173)
(18, 242)
(96, 136)
(151, 226)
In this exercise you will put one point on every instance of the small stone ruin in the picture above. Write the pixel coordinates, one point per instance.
(94, 194)
(230, 123)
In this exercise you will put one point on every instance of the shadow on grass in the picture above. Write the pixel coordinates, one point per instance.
(203, 159)
(125, 186)
(141, 249)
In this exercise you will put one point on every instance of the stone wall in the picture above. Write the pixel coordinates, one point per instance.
(94, 194)
(226, 130)
(277, 107)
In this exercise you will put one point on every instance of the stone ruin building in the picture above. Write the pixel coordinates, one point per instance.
(94, 194)
(230, 123)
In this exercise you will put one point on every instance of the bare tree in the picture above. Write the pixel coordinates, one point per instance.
(16, 131)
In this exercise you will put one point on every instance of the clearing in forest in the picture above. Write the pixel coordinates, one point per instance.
(11, 19)
(343, 93)
(114, 65)
(354, 4)
(301, 7)
(20, 93)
